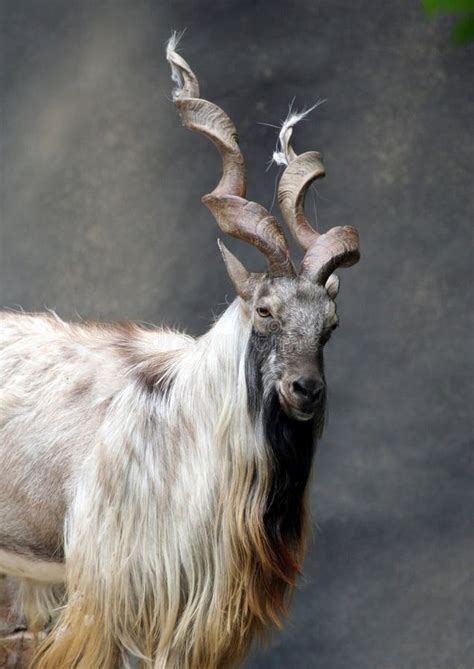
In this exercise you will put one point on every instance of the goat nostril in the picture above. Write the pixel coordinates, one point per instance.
(307, 388)
(299, 388)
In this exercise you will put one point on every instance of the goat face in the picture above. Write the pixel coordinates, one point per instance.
(292, 319)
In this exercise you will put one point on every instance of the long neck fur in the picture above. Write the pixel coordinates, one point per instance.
(187, 529)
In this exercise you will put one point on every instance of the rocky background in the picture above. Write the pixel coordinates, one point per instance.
(100, 218)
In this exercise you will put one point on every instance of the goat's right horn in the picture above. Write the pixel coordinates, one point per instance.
(339, 247)
(235, 215)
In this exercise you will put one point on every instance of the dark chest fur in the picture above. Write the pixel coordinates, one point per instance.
(292, 446)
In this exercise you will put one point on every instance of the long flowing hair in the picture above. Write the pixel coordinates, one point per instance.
(187, 525)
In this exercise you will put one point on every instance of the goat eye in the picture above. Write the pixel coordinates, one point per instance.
(263, 313)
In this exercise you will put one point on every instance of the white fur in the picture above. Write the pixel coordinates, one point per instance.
(280, 155)
(139, 482)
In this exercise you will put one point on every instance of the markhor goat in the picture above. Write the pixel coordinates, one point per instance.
(162, 479)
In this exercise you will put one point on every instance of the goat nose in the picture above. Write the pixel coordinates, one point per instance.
(309, 389)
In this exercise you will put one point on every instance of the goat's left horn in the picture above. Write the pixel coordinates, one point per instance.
(339, 247)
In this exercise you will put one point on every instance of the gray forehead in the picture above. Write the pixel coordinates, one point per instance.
(297, 300)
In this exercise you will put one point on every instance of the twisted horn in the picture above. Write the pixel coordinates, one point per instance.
(339, 247)
(235, 215)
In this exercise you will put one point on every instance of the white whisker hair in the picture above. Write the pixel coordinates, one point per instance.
(280, 155)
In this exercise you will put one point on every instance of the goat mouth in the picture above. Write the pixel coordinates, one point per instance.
(291, 411)
(301, 415)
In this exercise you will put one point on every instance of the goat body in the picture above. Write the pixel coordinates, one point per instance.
(133, 452)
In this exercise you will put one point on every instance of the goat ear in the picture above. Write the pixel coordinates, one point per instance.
(243, 280)
(332, 286)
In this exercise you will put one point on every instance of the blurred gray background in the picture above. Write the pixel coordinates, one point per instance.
(101, 218)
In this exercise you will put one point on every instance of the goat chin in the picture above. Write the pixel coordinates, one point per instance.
(131, 455)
